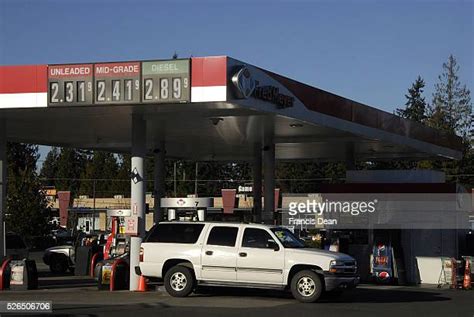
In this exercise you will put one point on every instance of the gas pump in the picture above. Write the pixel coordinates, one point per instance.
(117, 242)
(186, 208)
(113, 271)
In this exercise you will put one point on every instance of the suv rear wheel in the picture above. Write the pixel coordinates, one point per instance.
(179, 281)
(306, 286)
(58, 264)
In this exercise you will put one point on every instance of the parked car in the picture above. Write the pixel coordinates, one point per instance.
(60, 258)
(16, 246)
(62, 236)
(188, 254)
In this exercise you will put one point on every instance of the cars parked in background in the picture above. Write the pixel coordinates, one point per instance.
(60, 258)
(187, 254)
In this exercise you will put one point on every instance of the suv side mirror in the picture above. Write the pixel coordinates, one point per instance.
(273, 245)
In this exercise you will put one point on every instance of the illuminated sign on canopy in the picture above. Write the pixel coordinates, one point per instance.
(272, 94)
(247, 86)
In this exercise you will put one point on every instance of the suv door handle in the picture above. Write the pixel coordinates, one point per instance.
(209, 252)
(243, 254)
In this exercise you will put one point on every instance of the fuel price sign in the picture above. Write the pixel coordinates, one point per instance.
(166, 81)
(70, 85)
(117, 83)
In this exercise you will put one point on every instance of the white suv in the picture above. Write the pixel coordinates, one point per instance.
(187, 254)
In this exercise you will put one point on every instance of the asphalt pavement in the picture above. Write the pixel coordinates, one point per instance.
(364, 301)
(78, 296)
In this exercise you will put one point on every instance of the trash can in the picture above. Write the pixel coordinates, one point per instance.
(83, 260)
(23, 275)
(103, 276)
(121, 276)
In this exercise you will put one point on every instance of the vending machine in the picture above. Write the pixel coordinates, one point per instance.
(382, 264)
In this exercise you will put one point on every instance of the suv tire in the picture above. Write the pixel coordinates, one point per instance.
(58, 264)
(179, 281)
(306, 286)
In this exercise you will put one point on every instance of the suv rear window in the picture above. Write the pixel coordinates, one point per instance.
(175, 233)
(224, 236)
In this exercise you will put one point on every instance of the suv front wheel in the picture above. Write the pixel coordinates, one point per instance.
(306, 286)
(179, 281)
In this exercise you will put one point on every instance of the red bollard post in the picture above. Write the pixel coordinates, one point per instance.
(112, 273)
(94, 260)
(2, 272)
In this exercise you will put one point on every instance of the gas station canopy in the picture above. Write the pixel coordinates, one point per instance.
(203, 108)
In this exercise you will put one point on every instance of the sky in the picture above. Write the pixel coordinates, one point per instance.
(366, 50)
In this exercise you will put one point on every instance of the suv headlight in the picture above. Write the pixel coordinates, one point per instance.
(336, 263)
(339, 266)
(335, 266)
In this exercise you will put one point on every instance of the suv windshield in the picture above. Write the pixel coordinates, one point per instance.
(287, 238)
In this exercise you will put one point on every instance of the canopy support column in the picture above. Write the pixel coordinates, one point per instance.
(137, 192)
(269, 178)
(257, 183)
(159, 180)
(3, 184)
(350, 157)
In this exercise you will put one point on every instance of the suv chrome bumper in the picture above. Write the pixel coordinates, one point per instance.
(333, 281)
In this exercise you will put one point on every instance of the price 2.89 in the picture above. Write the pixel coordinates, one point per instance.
(164, 89)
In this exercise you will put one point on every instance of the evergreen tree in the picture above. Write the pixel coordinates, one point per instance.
(121, 185)
(27, 211)
(100, 171)
(415, 110)
(451, 108)
(305, 177)
(415, 106)
(50, 167)
(70, 166)
(149, 174)
(451, 111)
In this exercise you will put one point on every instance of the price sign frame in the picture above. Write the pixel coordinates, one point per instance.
(70, 85)
(166, 81)
(117, 83)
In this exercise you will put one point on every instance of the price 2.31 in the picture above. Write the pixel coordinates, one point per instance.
(74, 91)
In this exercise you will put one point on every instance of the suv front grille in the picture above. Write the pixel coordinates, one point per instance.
(347, 268)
